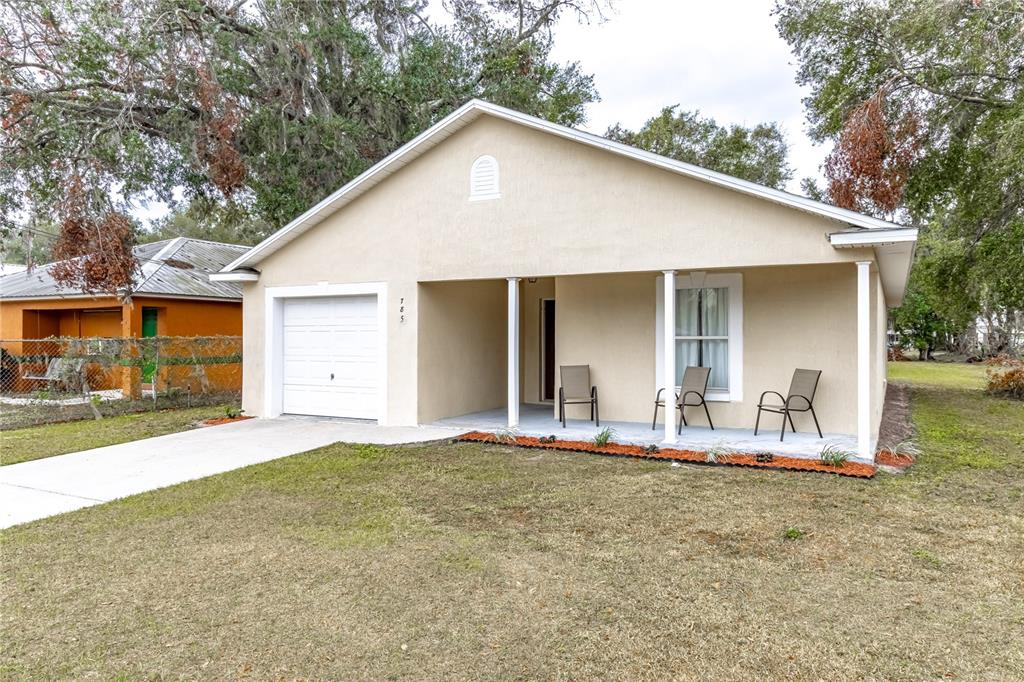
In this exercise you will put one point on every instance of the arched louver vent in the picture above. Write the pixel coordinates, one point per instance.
(483, 179)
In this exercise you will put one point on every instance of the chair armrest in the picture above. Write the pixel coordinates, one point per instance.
(797, 395)
(760, 401)
(680, 400)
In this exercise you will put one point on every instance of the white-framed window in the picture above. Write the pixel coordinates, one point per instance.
(708, 331)
(484, 179)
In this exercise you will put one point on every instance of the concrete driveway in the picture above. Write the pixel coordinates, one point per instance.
(54, 485)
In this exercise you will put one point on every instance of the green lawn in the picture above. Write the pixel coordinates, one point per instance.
(945, 374)
(488, 562)
(35, 442)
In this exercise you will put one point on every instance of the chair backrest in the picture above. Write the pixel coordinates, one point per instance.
(804, 384)
(694, 379)
(576, 380)
(54, 369)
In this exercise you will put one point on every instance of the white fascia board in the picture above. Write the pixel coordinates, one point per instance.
(872, 237)
(235, 277)
(469, 112)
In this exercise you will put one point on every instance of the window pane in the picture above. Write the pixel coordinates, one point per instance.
(716, 356)
(716, 312)
(686, 356)
(686, 312)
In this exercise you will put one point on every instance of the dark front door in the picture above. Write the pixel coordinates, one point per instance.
(547, 340)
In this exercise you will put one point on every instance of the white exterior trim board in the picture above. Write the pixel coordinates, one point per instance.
(235, 277)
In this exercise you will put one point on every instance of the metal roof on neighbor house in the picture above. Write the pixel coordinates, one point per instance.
(173, 267)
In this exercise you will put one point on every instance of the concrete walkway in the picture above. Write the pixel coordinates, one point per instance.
(54, 485)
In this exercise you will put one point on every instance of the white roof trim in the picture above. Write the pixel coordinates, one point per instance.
(468, 113)
(235, 276)
(879, 237)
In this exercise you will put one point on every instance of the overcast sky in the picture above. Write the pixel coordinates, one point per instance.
(724, 58)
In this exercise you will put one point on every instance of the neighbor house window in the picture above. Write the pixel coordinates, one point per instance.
(483, 179)
(702, 333)
(708, 330)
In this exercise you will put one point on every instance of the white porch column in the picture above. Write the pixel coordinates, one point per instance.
(513, 352)
(864, 360)
(669, 350)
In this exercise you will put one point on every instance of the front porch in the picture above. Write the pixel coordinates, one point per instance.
(539, 420)
(490, 353)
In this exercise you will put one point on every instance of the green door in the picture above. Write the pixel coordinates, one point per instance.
(148, 350)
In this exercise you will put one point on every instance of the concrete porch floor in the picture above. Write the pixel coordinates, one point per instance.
(537, 420)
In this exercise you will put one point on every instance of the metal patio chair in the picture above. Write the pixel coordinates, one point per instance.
(799, 399)
(576, 389)
(695, 385)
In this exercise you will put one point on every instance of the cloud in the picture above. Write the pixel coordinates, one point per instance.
(724, 58)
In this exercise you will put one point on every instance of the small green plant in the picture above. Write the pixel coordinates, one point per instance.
(927, 557)
(718, 453)
(506, 435)
(834, 456)
(604, 437)
(371, 452)
(547, 439)
(793, 533)
(232, 412)
(764, 457)
(905, 449)
(651, 449)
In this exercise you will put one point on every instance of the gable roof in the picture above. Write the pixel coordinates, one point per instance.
(177, 267)
(470, 112)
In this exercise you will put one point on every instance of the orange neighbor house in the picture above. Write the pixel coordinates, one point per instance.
(173, 296)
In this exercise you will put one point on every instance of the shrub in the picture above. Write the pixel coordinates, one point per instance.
(717, 454)
(507, 436)
(904, 450)
(232, 412)
(1006, 377)
(834, 455)
(604, 437)
(651, 449)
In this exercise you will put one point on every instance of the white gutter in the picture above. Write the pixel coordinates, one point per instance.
(234, 277)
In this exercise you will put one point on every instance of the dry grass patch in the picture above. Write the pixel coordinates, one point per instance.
(483, 561)
(36, 442)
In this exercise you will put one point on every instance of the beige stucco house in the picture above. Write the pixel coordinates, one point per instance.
(458, 274)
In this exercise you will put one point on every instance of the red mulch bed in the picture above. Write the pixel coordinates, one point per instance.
(886, 458)
(216, 421)
(854, 469)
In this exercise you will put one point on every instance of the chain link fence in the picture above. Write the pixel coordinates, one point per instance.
(67, 378)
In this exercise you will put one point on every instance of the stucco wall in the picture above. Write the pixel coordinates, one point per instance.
(565, 210)
(463, 343)
(178, 317)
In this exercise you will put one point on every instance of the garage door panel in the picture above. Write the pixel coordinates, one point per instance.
(331, 348)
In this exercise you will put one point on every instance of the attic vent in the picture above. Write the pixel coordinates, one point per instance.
(483, 179)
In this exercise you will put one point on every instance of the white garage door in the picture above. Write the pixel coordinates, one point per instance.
(331, 349)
